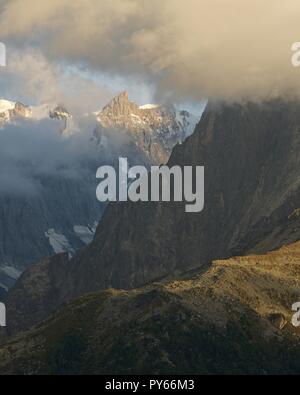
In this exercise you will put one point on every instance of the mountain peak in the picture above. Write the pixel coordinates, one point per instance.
(60, 112)
(151, 126)
(10, 110)
(6, 105)
(122, 98)
(119, 106)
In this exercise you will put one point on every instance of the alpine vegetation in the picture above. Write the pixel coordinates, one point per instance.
(161, 184)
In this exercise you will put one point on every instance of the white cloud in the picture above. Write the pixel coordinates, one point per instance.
(192, 48)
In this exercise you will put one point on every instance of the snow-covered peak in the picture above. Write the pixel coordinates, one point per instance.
(51, 110)
(10, 110)
(154, 129)
(60, 112)
(6, 105)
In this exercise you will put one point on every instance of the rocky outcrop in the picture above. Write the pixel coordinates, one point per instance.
(155, 130)
(250, 153)
(234, 318)
(60, 112)
(63, 115)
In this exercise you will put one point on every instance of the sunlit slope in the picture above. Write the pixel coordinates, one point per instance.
(234, 317)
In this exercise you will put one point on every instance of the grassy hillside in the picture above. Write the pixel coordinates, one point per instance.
(234, 317)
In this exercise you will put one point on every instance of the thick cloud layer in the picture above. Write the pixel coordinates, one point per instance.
(34, 151)
(190, 49)
(30, 77)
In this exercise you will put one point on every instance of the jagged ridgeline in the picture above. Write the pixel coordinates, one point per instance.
(251, 158)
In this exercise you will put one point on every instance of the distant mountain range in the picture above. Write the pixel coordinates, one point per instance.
(10, 111)
(64, 215)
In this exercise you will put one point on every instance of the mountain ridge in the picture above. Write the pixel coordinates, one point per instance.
(212, 321)
(252, 194)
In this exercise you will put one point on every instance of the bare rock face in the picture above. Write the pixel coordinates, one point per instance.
(250, 154)
(251, 158)
(118, 112)
(60, 112)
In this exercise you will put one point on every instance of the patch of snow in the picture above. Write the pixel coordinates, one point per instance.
(6, 105)
(58, 242)
(187, 121)
(10, 271)
(62, 114)
(148, 106)
(85, 233)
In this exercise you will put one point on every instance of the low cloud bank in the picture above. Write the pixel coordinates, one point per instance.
(33, 151)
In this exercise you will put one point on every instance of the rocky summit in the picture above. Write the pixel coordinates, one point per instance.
(154, 129)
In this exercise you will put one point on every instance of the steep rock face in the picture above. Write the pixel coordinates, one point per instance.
(251, 158)
(234, 318)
